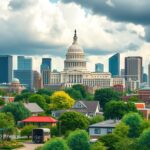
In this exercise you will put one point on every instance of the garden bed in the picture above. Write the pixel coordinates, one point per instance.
(10, 144)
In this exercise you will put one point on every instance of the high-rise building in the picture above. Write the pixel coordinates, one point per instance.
(114, 65)
(144, 77)
(133, 68)
(99, 67)
(122, 72)
(149, 74)
(37, 80)
(6, 68)
(46, 64)
(24, 63)
(24, 72)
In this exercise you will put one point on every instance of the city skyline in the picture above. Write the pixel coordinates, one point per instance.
(43, 28)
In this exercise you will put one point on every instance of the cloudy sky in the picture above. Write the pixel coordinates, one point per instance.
(44, 28)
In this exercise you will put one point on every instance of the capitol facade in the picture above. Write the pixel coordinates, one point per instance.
(75, 71)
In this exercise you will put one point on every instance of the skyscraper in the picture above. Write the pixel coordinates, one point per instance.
(5, 68)
(46, 64)
(145, 77)
(149, 74)
(114, 65)
(24, 72)
(133, 68)
(99, 67)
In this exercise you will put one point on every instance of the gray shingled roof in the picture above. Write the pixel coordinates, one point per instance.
(33, 107)
(106, 123)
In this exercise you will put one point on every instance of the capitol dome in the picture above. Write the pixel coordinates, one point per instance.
(15, 80)
(75, 56)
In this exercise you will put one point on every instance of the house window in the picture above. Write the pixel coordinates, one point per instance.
(109, 130)
(97, 131)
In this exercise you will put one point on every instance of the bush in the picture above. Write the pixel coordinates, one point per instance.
(96, 119)
(10, 145)
(78, 140)
(1, 102)
(98, 146)
(55, 144)
(27, 130)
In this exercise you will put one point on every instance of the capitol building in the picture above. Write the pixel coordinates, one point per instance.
(76, 72)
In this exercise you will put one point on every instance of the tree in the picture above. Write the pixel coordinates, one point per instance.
(144, 139)
(81, 88)
(110, 140)
(72, 121)
(2, 92)
(134, 121)
(98, 146)
(122, 130)
(7, 124)
(2, 102)
(18, 110)
(27, 130)
(39, 99)
(75, 94)
(106, 95)
(61, 100)
(78, 140)
(96, 119)
(55, 144)
(117, 109)
(44, 92)
(22, 97)
(133, 99)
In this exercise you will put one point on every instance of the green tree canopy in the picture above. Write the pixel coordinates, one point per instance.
(144, 140)
(7, 123)
(81, 88)
(40, 100)
(27, 130)
(2, 102)
(96, 119)
(72, 121)
(18, 110)
(61, 100)
(55, 144)
(78, 140)
(117, 109)
(97, 146)
(75, 94)
(134, 121)
(106, 95)
(45, 92)
(22, 97)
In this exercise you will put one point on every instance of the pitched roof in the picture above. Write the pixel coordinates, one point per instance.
(33, 107)
(39, 119)
(106, 123)
(91, 106)
(140, 105)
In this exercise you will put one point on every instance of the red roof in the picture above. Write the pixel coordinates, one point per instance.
(40, 119)
(140, 105)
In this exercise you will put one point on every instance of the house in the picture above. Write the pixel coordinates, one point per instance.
(40, 121)
(88, 108)
(34, 108)
(102, 128)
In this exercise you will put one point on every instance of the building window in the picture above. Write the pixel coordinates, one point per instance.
(109, 130)
(97, 131)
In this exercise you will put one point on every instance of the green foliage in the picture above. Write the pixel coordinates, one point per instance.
(96, 119)
(81, 88)
(27, 130)
(106, 95)
(18, 110)
(90, 97)
(122, 130)
(78, 140)
(2, 92)
(72, 121)
(22, 97)
(61, 100)
(144, 140)
(97, 146)
(54, 131)
(55, 144)
(110, 141)
(117, 109)
(7, 124)
(133, 99)
(134, 121)
(75, 94)
(44, 92)
(1, 102)
(39, 99)
(10, 145)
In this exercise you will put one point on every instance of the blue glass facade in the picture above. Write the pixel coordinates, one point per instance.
(5, 69)
(145, 77)
(114, 65)
(46, 64)
(24, 63)
(99, 67)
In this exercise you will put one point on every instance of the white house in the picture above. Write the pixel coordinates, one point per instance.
(102, 128)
